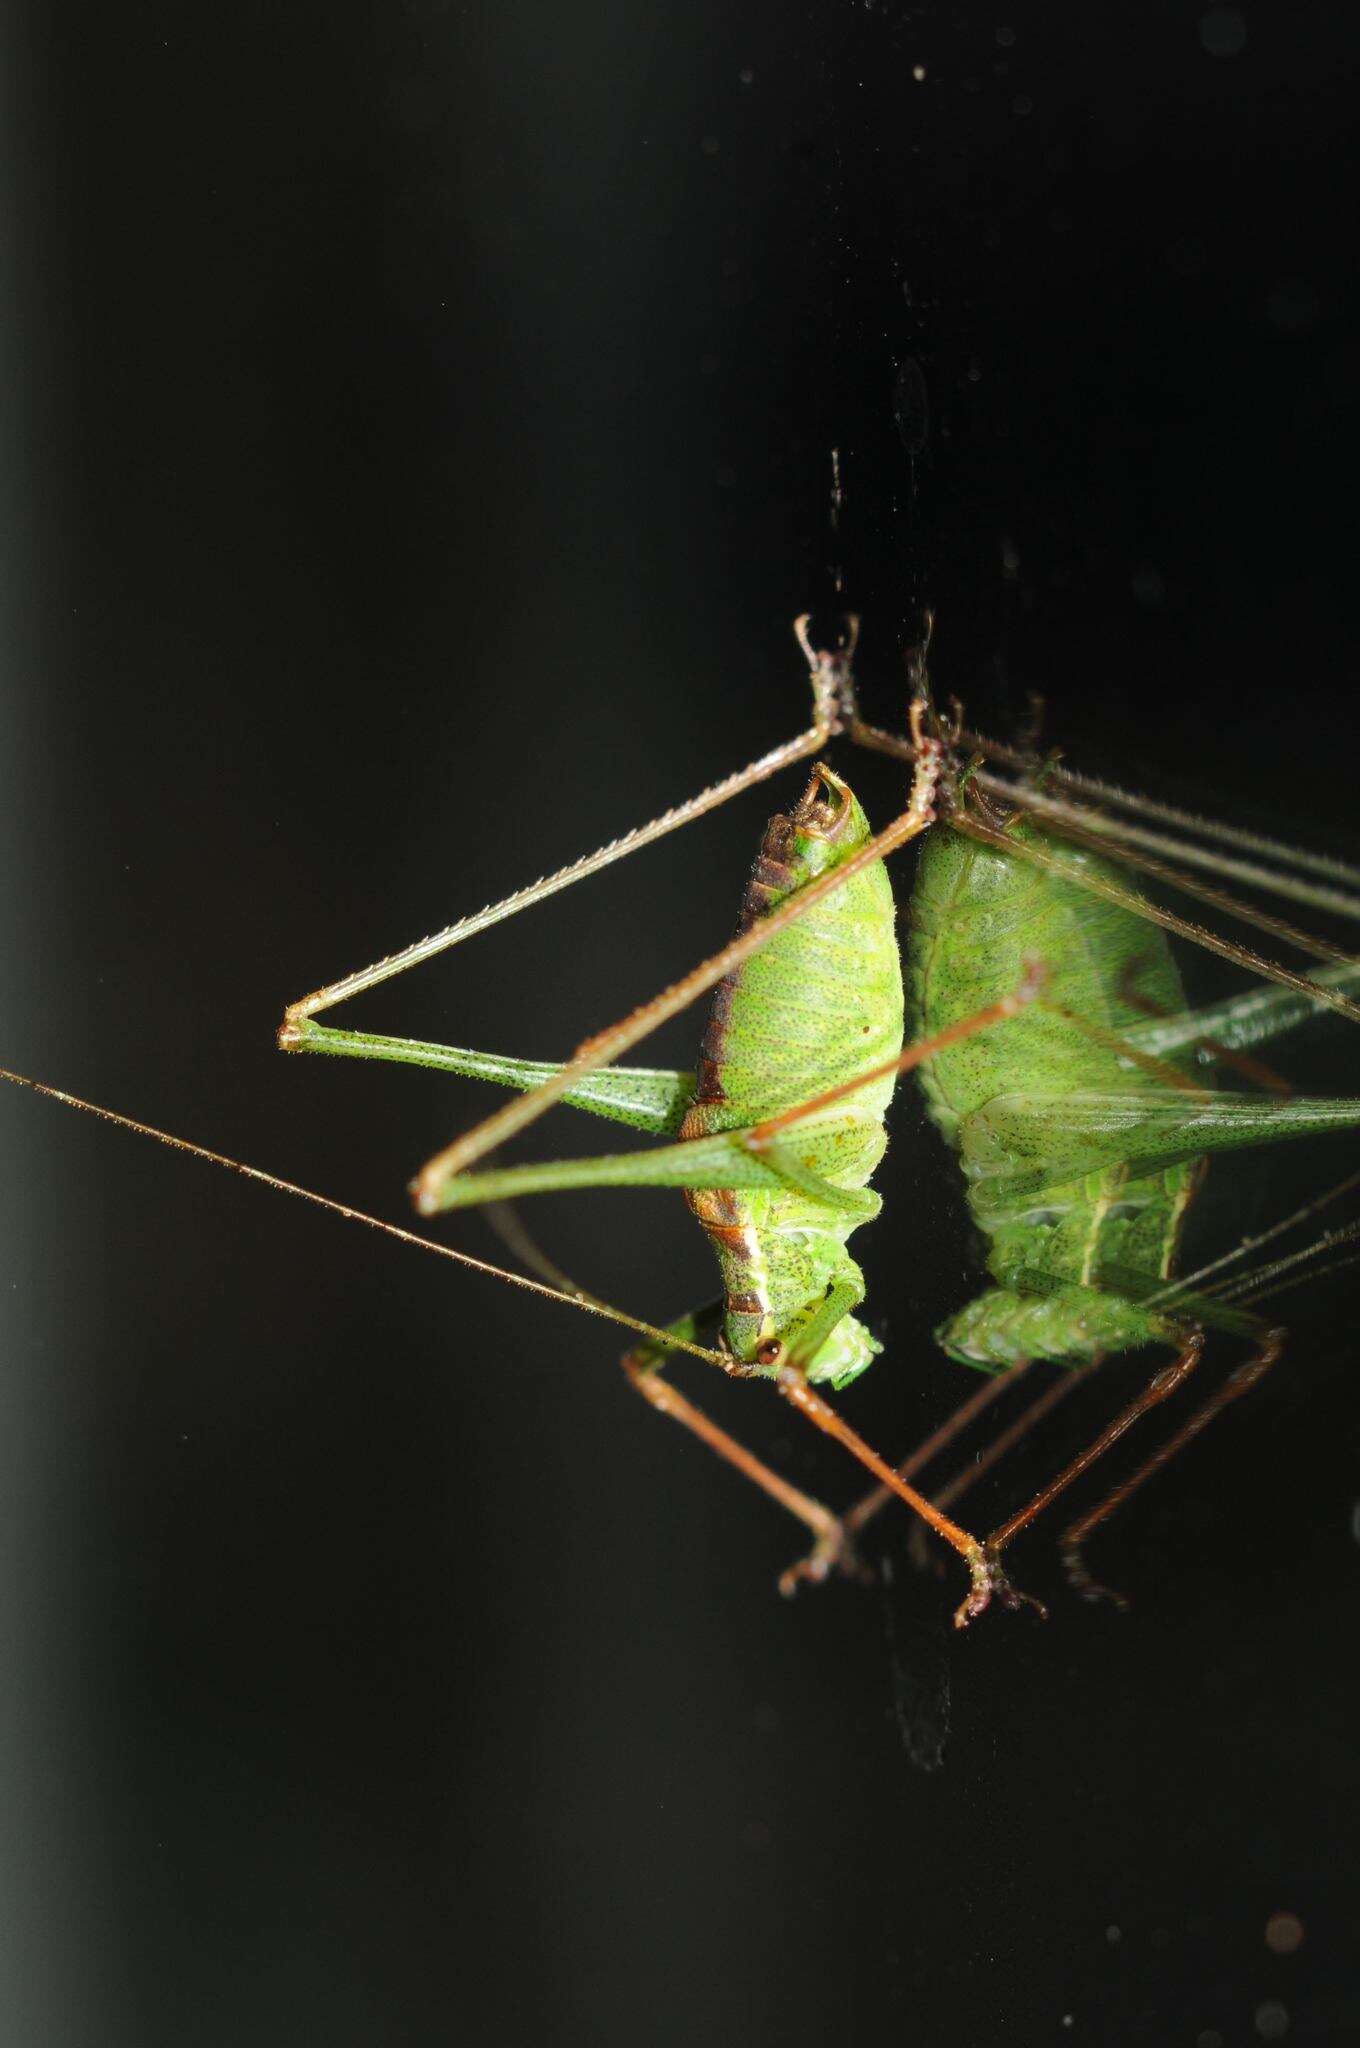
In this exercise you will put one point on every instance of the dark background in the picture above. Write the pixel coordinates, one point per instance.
(418, 442)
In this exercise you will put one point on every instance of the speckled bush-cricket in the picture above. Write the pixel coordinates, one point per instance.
(1046, 1018)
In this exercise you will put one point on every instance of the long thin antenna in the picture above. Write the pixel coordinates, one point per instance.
(1171, 814)
(588, 1302)
(1120, 838)
(1248, 1245)
(1251, 1284)
(1307, 1279)
(1316, 894)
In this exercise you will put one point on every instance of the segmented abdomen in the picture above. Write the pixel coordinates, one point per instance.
(978, 917)
(823, 1000)
(817, 1006)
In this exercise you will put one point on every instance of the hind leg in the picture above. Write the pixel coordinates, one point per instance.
(1074, 1536)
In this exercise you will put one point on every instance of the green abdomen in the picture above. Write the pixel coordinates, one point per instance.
(977, 920)
(820, 1004)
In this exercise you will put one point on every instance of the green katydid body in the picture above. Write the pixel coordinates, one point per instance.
(1074, 1102)
(815, 1007)
(1080, 1158)
(819, 1005)
(1080, 1162)
(1071, 1259)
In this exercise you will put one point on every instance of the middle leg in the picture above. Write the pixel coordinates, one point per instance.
(643, 1366)
(878, 1497)
(1238, 1382)
(989, 1580)
(1159, 1388)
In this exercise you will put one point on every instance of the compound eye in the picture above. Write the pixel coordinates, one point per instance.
(770, 1352)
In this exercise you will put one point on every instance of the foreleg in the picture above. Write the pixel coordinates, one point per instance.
(643, 1368)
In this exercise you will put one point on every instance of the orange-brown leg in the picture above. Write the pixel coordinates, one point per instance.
(811, 1567)
(1158, 1389)
(993, 1451)
(642, 1368)
(1237, 1383)
(984, 1566)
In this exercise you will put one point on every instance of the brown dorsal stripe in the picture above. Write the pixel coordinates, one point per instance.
(771, 879)
(745, 1305)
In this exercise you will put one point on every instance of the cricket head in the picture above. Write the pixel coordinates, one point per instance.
(845, 1354)
(840, 1358)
